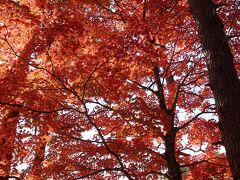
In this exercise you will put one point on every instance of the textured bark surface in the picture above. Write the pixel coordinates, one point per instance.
(174, 170)
(223, 77)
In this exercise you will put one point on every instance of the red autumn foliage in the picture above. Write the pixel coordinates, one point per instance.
(107, 90)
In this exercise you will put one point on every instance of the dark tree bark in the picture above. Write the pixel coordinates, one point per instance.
(8, 177)
(174, 170)
(223, 77)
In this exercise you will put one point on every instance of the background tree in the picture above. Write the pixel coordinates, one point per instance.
(223, 76)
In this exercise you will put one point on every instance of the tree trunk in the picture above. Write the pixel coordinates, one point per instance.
(174, 171)
(223, 77)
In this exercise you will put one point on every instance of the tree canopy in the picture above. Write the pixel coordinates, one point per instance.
(107, 89)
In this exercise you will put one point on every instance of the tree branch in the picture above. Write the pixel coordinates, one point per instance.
(31, 109)
(160, 91)
(97, 172)
(145, 87)
(120, 15)
(233, 36)
(8, 176)
(194, 118)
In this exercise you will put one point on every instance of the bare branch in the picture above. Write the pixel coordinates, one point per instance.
(146, 87)
(119, 160)
(97, 172)
(194, 118)
(204, 161)
(9, 177)
(160, 91)
(31, 109)
(182, 84)
(101, 5)
(233, 36)
(90, 76)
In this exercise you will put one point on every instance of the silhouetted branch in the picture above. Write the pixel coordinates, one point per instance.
(9, 177)
(31, 109)
(194, 118)
(104, 7)
(97, 172)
